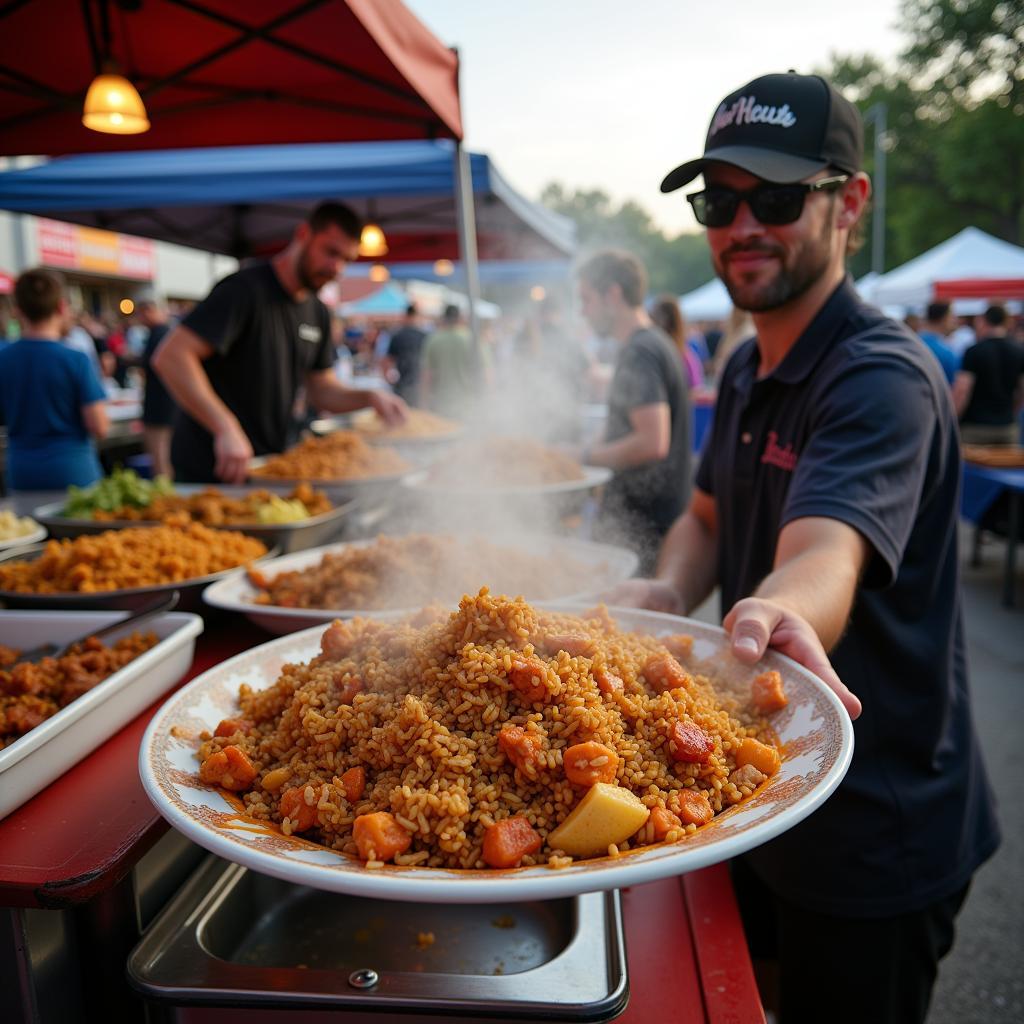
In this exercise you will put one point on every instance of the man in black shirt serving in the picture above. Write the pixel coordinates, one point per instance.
(236, 362)
(825, 507)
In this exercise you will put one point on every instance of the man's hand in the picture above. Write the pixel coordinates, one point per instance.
(231, 452)
(654, 595)
(390, 408)
(757, 624)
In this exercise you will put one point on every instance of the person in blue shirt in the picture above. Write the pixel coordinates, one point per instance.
(50, 397)
(937, 327)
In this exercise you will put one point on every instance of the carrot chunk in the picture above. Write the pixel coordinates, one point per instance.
(522, 748)
(527, 675)
(690, 744)
(229, 768)
(607, 681)
(338, 640)
(294, 807)
(587, 763)
(229, 726)
(348, 689)
(379, 837)
(766, 693)
(764, 758)
(663, 672)
(663, 821)
(574, 644)
(508, 841)
(353, 782)
(694, 808)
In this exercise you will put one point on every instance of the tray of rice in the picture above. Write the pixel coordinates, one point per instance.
(400, 575)
(498, 751)
(124, 568)
(421, 427)
(285, 517)
(505, 467)
(342, 464)
(57, 711)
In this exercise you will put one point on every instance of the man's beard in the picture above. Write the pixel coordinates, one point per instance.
(808, 264)
(307, 278)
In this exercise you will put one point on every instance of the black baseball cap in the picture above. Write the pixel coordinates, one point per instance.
(781, 128)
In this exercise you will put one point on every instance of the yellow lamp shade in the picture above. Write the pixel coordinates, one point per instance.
(372, 242)
(113, 105)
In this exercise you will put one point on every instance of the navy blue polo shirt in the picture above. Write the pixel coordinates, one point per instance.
(856, 424)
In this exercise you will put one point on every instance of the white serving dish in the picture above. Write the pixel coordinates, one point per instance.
(38, 534)
(815, 732)
(610, 565)
(32, 762)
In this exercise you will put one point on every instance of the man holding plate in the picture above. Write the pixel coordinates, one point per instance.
(825, 507)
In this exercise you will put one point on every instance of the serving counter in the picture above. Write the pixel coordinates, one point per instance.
(87, 865)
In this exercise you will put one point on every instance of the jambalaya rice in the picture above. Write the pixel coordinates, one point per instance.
(411, 742)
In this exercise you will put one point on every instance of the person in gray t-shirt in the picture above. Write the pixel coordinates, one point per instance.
(647, 438)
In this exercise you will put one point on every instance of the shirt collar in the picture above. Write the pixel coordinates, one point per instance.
(821, 333)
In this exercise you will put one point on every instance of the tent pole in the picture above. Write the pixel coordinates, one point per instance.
(467, 234)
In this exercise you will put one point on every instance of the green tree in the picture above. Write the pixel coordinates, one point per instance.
(955, 131)
(675, 265)
(960, 43)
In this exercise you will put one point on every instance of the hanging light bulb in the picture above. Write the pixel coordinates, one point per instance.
(114, 105)
(372, 243)
(379, 273)
(444, 268)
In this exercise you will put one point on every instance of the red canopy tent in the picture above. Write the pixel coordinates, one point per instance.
(222, 73)
(980, 288)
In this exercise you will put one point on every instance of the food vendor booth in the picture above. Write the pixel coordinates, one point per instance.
(109, 911)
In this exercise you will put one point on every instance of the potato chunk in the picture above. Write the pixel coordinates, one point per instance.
(606, 815)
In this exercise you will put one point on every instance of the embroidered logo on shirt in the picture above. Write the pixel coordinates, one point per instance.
(784, 458)
(309, 332)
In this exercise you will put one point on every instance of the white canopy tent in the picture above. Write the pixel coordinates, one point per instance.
(708, 302)
(971, 264)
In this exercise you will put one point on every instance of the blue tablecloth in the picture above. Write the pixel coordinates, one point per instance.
(983, 484)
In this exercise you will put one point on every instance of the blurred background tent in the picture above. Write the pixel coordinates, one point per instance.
(708, 302)
(971, 264)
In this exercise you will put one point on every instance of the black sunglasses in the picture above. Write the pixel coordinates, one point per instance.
(716, 207)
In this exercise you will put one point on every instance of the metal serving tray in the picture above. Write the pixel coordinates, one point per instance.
(190, 590)
(235, 938)
(31, 763)
(289, 537)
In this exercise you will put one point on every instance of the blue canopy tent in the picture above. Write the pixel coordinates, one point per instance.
(388, 300)
(497, 272)
(245, 200)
